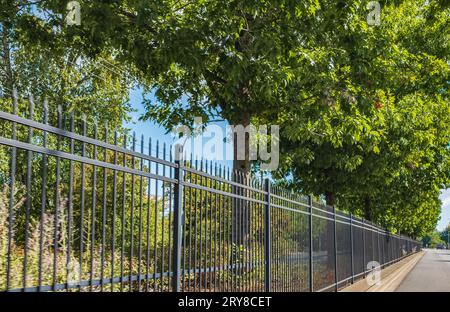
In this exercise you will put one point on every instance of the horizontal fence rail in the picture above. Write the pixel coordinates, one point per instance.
(84, 209)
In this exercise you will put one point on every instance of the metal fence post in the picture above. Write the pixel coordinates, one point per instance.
(178, 220)
(336, 279)
(364, 248)
(378, 245)
(267, 241)
(311, 279)
(351, 248)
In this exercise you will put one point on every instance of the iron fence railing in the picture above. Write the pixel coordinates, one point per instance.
(89, 210)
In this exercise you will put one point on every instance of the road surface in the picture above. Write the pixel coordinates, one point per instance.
(431, 273)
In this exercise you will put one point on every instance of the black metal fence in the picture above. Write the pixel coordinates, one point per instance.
(83, 209)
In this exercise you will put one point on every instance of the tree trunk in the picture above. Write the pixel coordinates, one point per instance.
(241, 208)
(368, 212)
(329, 198)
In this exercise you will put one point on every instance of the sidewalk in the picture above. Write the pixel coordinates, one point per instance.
(431, 274)
(391, 276)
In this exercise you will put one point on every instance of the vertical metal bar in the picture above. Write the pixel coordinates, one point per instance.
(141, 202)
(206, 266)
(254, 236)
(191, 226)
(130, 271)
(391, 247)
(283, 215)
(184, 220)
(268, 242)
(155, 258)
(223, 238)
(216, 203)
(178, 218)
(57, 203)
(82, 202)
(351, 249)
(364, 248)
(378, 242)
(43, 200)
(195, 178)
(163, 202)
(251, 238)
(311, 271)
(240, 229)
(114, 212)
(292, 247)
(230, 228)
(29, 196)
(285, 248)
(245, 207)
(11, 195)
(218, 233)
(122, 225)
(170, 224)
(105, 172)
(336, 279)
(211, 262)
(155, 255)
(201, 228)
(233, 230)
(69, 264)
(261, 239)
(229, 231)
(280, 243)
(248, 233)
(94, 211)
(206, 233)
(149, 207)
(222, 225)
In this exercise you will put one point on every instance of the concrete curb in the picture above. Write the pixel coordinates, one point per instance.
(391, 276)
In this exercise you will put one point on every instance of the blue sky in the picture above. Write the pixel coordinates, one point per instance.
(147, 128)
(157, 132)
(445, 214)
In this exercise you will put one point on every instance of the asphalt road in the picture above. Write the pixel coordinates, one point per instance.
(431, 274)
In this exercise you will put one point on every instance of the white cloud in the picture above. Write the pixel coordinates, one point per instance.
(445, 212)
(445, 197)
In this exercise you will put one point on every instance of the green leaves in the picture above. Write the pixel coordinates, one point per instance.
(364, 111)
(378, 132)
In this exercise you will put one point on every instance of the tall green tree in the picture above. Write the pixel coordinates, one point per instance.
(38, 61)
(335, 84)
(240, 60)
(445, 235)
(431, 239)
(58, 68)
(380, 146)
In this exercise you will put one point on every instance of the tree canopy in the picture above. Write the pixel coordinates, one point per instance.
(38, 61)
(381, 148)
(363, 109)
